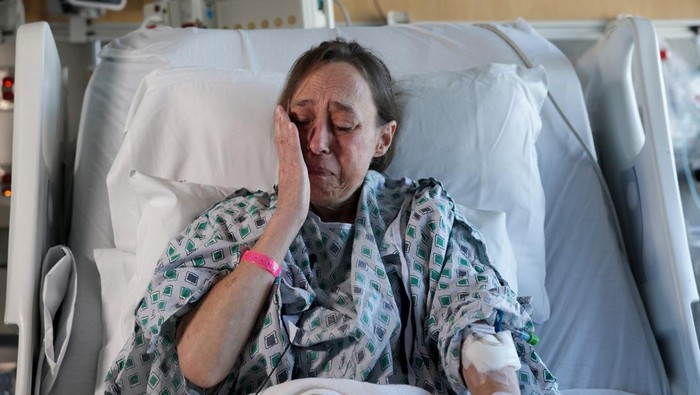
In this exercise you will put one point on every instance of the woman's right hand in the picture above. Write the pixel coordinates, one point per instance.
(294, 187)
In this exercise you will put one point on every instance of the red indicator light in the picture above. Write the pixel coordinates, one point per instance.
(6, 185)
(8, 92)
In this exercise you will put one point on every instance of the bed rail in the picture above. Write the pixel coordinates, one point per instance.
(637, 158)
(36, 181)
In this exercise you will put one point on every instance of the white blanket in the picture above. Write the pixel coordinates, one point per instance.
(349, 387)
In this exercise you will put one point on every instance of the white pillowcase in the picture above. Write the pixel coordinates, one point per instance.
(492, 226)
(206, 126)
(167, 208)
(475, 131)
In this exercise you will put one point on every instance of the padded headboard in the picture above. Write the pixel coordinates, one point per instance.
(637, 157)
(36, 156)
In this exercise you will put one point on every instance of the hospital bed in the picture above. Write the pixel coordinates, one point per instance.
(620, 317)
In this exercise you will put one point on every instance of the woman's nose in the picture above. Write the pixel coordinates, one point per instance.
(319, 139)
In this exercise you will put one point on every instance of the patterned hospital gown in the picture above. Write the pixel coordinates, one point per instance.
(384, 300)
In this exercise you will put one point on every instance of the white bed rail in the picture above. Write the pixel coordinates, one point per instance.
(637, 157)
(36, 156)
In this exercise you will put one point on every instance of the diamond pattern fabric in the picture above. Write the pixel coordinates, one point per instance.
(384, 300)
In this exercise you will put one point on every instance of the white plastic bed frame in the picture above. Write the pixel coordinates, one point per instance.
(33, 222)
(621, 79)
(625, 96)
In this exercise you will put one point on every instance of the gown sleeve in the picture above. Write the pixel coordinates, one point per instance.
(462, 287)
(193, 262)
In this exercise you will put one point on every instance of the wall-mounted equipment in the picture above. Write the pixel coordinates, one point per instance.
(271, 14)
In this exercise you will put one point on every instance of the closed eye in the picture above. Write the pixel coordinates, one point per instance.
(344, 129)
(301, 123)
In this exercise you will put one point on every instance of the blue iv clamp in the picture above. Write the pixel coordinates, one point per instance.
(528, 337)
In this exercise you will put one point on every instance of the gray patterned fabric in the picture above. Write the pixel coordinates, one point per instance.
(384, 300)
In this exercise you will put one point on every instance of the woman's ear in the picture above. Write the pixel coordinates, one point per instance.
(386, 136)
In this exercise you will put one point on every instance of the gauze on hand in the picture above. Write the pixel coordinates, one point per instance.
(489, 351)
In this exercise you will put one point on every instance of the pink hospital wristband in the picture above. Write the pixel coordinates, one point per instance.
(263, 261)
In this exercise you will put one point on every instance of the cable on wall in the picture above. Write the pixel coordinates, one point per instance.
(380, 11)
(344, 11)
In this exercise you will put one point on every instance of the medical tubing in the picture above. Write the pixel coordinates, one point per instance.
(344, 11)
(286, 348)
(570, 126)
(380, 11)
(529, 337)
(499, 320)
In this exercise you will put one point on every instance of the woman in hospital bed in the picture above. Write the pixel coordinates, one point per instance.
(341, 274)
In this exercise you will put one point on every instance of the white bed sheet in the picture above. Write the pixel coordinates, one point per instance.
(578, 342)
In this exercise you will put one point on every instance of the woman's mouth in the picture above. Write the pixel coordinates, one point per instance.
(319, 171)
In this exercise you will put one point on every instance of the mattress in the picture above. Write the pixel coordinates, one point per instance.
(588, 280)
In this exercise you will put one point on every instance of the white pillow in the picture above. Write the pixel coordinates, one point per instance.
(205, 126)
(120, 296)
(482, 121)
(167, 208)
(492, 226)
(475, 131)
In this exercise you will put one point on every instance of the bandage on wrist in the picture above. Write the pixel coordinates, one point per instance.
(489, 351)
(263, 261)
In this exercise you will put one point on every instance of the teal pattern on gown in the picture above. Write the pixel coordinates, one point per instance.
(384, 300)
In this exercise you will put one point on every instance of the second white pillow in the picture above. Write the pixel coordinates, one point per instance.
(167, 207)
(475, 131)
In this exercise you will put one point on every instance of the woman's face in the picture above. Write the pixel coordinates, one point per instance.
(337, 121)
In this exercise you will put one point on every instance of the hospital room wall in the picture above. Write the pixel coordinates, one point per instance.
(420, 10)
(365, 11)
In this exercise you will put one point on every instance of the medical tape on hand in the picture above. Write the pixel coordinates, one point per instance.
(487, 350)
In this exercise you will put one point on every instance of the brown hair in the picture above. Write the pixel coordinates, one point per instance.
(372, 69)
